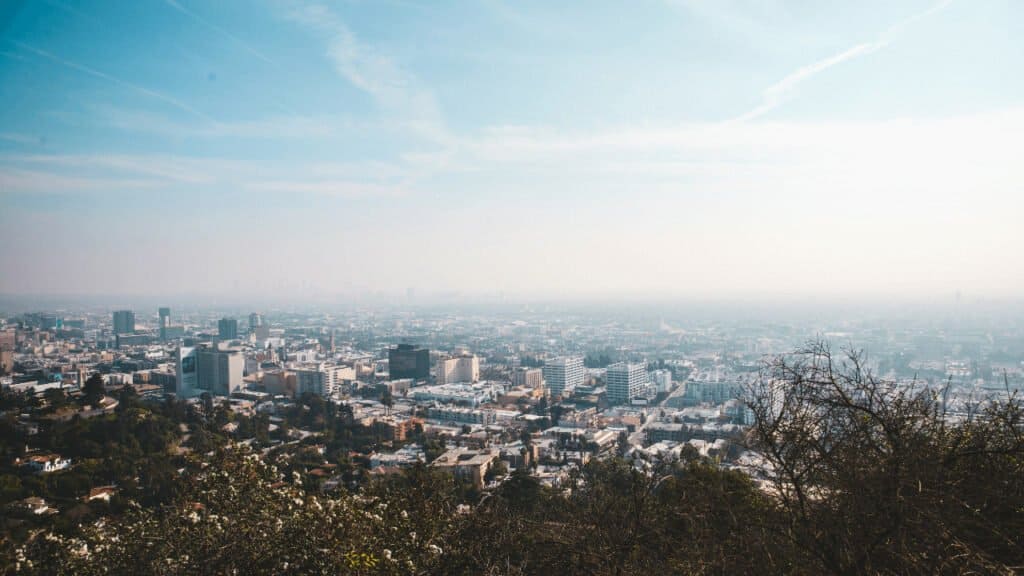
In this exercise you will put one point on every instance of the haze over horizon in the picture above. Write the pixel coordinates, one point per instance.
(666, 148)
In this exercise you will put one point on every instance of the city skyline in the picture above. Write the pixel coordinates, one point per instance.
(511, 287)
(678, 149)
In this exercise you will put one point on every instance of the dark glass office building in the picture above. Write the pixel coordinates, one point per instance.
(124, 322)
(227, 328)
(408, 361)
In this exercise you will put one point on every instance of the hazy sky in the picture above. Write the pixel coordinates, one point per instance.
(669, 147)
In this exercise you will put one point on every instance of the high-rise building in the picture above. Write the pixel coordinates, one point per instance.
(206, 368)
(8, 339)
(51, 322)
(408, 361)
(227, 328)
(563, 375)
(711, 392)
(124, 322)
(186, 377)
(327, 343)
(6, 361)
(165, 321)
(8, 342)
(661, 380)
(464, 367)
(625, 382)
(258, 328)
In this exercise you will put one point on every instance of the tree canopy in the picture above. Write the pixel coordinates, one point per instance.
(853, 475)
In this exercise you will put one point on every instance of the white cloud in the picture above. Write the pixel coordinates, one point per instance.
(60, 173)
(217, 29)
(41, 182)
(399, 96)
(777, 93)
(114, 80)
(168, 169)
(915, 206)
(274, 127)
(340, 188)
(913, 159)
(19, 138)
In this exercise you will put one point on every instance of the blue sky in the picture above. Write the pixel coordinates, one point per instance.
(668, 147)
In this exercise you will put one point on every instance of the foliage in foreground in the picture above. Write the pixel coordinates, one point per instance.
(874, 477)
(860, 476)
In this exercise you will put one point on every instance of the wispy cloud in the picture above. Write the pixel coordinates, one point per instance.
(896, 157)
(73, 173)
(72, 10)
(42, 182)
(341, 188)
(168, 169)
(114, 80)
(777, 93)
(19, 138)
(13, 55)
(828, 156)
(397, 93)
(217, 29)
(274, 127)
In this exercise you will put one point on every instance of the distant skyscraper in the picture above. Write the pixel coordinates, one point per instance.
(255, 321)
(408, 361)
(563, 375)
(165, 321)
(124, 322)
(661, 380)
(625, 382)
(50, 322)
(227, 328)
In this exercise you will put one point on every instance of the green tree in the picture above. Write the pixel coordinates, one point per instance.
(127, 399)
(496, 470)
(10, 488)
(622, 443)
(55, 398)
(93, 390)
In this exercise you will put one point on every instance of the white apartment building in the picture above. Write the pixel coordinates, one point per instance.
(563, 375)
(625, 381)
(321, 378)
(460, 368)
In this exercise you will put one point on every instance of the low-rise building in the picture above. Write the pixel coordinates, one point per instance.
(528, 377)
(45, 463)
(458, 415)
(467, 465)
(464, 394)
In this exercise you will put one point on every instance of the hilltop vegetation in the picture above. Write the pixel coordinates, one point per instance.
(858, 476)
